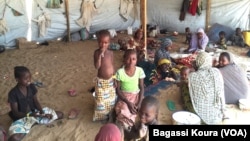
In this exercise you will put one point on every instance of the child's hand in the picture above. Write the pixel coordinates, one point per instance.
(143, 130)
(102, 52)
(132, 107)
(169, 79)
(215, 63)
(115, 84)
(35, 114)
(49, 116)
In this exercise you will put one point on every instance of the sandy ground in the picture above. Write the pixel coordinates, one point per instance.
(60, 67)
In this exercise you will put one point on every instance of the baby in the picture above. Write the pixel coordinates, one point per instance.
(222, 41)
(148, 115)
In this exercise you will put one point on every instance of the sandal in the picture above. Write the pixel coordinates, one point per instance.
(171, 105)
(73, 113)
(72, 92)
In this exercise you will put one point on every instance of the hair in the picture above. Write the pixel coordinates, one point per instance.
(20, 70)
(151, 101)
(137, 31)
(103, 33)
(187, 28)
(225, 54)
(222, 33)
(184, 69)
(238, 28)
(129, 52)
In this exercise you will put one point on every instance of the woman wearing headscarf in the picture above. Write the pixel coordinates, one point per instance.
(163, 52)
(206, 88)
(164, 71)
(199, 41)
(109, 132)
(236, 84)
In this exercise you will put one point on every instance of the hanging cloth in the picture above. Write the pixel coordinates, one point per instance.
(126, 6)
(18, 7)
(199, 7)
(3, 25)
(44, 21)
(184, 9)
(193, 7)
(53, 4)
(87, 11)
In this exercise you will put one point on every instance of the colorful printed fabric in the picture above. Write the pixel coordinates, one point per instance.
(24, 125)
(187, 61)
(158, 75)
(186, 97)
(124, 116)
(105, 98)
(222, 43)
(206, 88)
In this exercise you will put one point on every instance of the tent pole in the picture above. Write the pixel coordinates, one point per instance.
(143, 13)
(67, 18)
(208, 12)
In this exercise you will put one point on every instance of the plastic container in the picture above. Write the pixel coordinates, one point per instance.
(246, 35)
(244, 104)
(185, 118)
(130, 30)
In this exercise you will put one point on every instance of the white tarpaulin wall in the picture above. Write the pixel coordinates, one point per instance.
(165, 13)
(232, 13)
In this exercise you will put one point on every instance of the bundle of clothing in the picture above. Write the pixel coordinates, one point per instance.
(191, 6)
(44, 21)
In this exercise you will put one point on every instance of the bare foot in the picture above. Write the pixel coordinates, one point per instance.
(50, 125)
(73, 113)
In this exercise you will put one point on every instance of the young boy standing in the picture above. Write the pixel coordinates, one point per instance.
(105, 95)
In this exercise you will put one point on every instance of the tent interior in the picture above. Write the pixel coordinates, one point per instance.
(36, 22)
(63, 65)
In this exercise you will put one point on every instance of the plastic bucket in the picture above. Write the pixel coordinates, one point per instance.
(246, 35)
(185, 118)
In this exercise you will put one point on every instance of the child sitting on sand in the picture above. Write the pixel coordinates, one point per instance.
(188, 35)
(148, 115)
(222, 41)
(25, 107)
(105, 95)
(238, 38)
(164, 71)
(131, 44)
(130, 90)
(183, 84)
